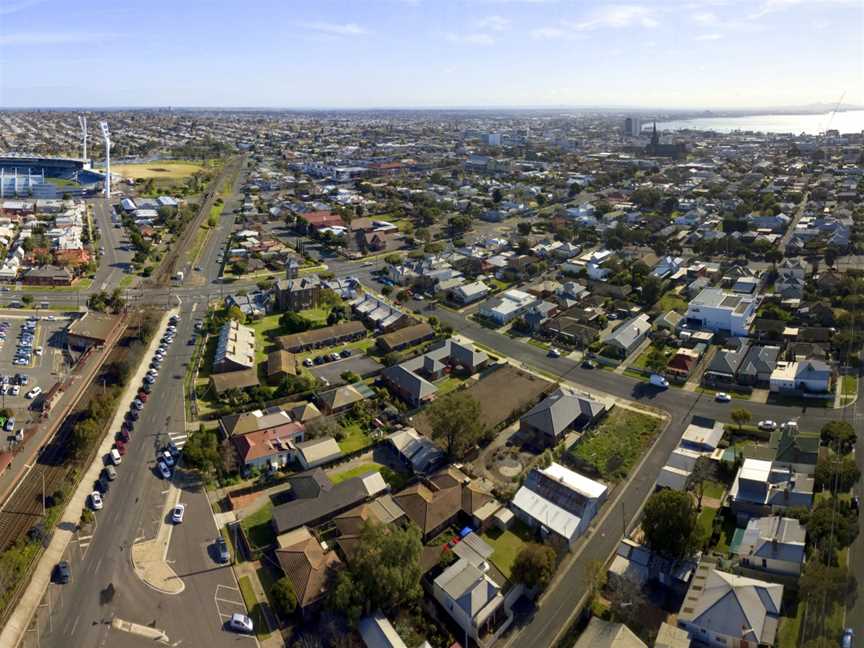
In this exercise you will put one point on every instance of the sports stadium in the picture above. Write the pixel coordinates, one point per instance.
(46, 177)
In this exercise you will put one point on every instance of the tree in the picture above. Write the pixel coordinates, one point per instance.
(837, 474)
(627, 602)
(651, 290)
(656, 361)
(838, 434)
(831, 526)
(455, 420)
(283, 596)
(294, 322)
(384, 572)
(819, 581)
(741, 417)
(830, 257)
(496, 195)
(534, 565)
(701, 474)
(201, 451)
(669, 523)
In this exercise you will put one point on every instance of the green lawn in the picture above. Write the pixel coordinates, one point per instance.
(258, 528)
(727, 533)
(126, 281)
(254, 607)
(705, 522)
(506, 545)
(642, 361)
(849, 389)
(355, 472)
(789, 632)
(448, 384)
(355, 438)
(672, 301)
(318, 316)
(617, 443)
(714, 489)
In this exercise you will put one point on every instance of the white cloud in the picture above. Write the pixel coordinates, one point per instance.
(470, 39)
(494, 23)
(548, 33)
(616, 17)
(771, 6)
(705, 18)
(54, 38)
(14, 7)
(336, 29)
(709, 37)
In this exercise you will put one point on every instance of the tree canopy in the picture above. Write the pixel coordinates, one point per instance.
(384, 572)
(534, 565)
(670, 523)
(455, 421)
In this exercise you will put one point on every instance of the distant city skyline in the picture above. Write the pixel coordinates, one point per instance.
(709, 54)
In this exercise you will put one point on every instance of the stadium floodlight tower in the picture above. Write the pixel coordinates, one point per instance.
(106, 135)
(82, 120)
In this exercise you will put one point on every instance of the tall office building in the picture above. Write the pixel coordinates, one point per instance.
(633, 126)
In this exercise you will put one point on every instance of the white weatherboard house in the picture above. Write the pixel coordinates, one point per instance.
(507, 306)
(773, 544)
(559, 501)
(720, 311)
(723, 609)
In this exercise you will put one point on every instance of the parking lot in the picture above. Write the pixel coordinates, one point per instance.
(332, 371)
(31, 356)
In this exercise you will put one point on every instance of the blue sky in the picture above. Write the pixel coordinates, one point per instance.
(419, 53)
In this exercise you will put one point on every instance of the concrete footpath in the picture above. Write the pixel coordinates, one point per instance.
(13, 631)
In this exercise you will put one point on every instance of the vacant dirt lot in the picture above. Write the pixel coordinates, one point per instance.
(501, 393)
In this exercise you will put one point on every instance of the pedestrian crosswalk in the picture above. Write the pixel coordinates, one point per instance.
(178, 440)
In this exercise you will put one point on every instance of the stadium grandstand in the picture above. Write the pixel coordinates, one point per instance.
(45, 177)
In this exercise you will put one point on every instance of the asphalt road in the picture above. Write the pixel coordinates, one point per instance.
(558, 606)
(115, 261)
(104, 585)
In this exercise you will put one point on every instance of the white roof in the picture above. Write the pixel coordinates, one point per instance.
(550, 515)
(574, 481)
(755, 470)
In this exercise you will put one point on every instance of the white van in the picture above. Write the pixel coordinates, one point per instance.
(115, 457)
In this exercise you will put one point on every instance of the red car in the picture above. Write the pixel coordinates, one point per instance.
(121, 447)
(123, 436)
(142, 396)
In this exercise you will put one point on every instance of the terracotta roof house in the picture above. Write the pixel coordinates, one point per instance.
(431, 504)
(307, 565)
(274, 447)
(319, 219)
(382, 510)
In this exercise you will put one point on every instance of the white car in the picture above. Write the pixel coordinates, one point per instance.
(38, 351)
(767, 425)
(178, 513)
(96, 501)
(137, 404)
(149, 380)
(153, 372)
(554, 353)
(241, 623)
(33, 393)
(722, 397)
(167, 458)
(15, 390)
(163, 470)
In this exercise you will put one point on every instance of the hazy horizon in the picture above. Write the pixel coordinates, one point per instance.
(420, 54)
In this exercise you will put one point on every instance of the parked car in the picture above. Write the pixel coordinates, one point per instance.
(138, 404)
(96, 501)
(308, 362)
(768, 425)
(222, 550)
(848, 638)
(658, 381)
(554, 353)
(163, 470)
(178, 513)
(109, 473)
(241, 623)
(33, 393)
(10, 424)
(62, 573)
(345, 353)
(123, 436)
(722, 397)
(167, 458)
